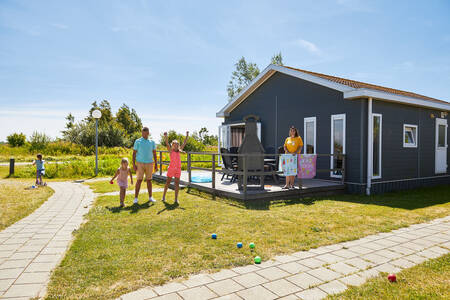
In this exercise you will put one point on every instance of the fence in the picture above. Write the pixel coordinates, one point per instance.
(216, 168)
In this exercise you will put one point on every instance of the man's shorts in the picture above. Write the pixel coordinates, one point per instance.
(143, 168)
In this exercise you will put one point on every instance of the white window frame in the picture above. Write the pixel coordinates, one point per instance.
(416, 137)
(381, 146)
(333, 118)
(306, 120)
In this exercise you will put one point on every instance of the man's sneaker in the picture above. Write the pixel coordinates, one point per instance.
(151, 199)
(135, 200)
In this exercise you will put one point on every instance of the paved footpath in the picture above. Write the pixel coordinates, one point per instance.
(316, 273)
(31, 248)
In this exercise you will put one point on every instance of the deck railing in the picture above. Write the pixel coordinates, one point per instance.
(245, 173)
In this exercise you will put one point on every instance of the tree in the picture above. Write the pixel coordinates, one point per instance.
(128, 119)
(39, 141)
(192, 143)
(16, 139)
(105, 108)
(70, 122)
(277, 59)
(241, 77)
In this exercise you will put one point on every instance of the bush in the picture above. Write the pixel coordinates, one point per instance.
(16, 139)
(39, 141)
(83, 133)
(192, 145)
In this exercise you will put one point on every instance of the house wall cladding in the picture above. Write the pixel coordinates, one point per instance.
(283, 101)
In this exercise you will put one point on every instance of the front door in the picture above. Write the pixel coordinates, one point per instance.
(441, 145)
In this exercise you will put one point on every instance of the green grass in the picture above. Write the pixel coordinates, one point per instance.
(17, 200)
(118, 251)
(105, 187)
(429, 280)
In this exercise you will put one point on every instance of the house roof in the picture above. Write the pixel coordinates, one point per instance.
(350, 88)
(358, 84)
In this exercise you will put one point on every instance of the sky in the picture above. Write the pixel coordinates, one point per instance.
(172, 60)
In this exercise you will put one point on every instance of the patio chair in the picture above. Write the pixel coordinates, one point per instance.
(228, 165)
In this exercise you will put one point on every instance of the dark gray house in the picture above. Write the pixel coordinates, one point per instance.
(392, 139)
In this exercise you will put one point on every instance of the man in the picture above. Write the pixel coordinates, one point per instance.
(144, 161)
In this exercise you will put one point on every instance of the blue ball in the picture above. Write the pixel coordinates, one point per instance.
(214, 236)
(239, 245)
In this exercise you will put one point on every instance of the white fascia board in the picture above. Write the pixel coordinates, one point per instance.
(366, 93)
(225, 111)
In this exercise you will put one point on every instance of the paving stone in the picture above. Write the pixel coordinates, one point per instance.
(345, 253)
(197, 280)
(228, 297)
(197, 293)
(312, 294)
(245, 269)
(285, 258)
(268, 263)
(413, 246)
(324, 274)
(333, 287)
(386, 242)
(24, 255)
(353, 279)
(249, 280)
(224, 274)
(5, 284)
(53, 250)
(329, 258)
(172, 296)
(320, 250)
(282, 287)
(360, 249)
(402, 263)
(398, 239)
(224, 287)
(144, 293)
(428, 254)
(402, 250)
(23, 290)
(6, 253)
(334, 247)
(375, 258)
(343, 268)
(273, 273)
(40, 267)
(18, 263)
(414, 258)
(387, 268)
(10, 273)
(47, 258)
(388, 254)
(290, 297)
(303, 254)
(294, 267)
(373, 246)
(257, 293)
(370, 273)
(11, 241)
(304, 280)
(312, 262)
(438, 250)
(11, 247)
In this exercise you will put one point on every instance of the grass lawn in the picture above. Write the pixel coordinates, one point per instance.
(118, 251)
(16, 201)
(429, 280)
(105, 187)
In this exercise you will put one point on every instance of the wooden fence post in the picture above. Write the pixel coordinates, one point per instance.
(11, 166)
(244, 167)
(343, 169)
(213, 182)
(189, 167)
(160, 162)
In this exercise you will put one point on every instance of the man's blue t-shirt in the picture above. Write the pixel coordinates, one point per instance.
(144, 148)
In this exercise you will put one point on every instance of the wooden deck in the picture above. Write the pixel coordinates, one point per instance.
(310, 187)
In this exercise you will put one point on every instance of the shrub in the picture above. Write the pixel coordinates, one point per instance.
(16, 139)
(38, 141)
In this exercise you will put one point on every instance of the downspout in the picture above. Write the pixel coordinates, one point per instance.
(369, 146)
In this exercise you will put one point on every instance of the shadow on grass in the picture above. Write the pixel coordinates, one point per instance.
(407, 199)
(169, 207)
(134, 208)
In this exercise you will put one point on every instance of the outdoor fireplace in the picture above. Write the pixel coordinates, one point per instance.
(252, 146)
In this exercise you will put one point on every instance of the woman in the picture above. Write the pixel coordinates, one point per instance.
(293, 145)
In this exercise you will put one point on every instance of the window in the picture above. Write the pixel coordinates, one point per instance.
(409, 136)
(337, 143)
(441, 135)
(309, 135)
(377, 132)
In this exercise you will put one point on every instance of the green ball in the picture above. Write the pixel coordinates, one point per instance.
(252, 245)
(257, 260)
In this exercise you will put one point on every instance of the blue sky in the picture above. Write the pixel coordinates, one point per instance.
(172, 60)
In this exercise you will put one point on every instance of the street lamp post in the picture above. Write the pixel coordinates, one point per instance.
(96, 114)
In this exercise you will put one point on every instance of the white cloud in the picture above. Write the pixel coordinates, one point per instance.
(308, 46)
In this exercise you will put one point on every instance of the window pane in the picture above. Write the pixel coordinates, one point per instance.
(338, 142)
(441, 136)
(410, 135)
(309, 137)
(376, 145)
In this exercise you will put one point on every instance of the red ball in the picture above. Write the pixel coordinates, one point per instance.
(392, 278)
(112, 182)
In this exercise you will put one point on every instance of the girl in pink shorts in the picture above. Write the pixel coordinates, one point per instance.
(174, 169)
(122, 179)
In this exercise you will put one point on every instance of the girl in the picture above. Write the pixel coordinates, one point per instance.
(122, 179)
(174, 169)
(293, 145)
(40, 169)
